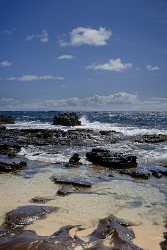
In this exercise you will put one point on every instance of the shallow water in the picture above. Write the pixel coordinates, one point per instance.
(138, 202)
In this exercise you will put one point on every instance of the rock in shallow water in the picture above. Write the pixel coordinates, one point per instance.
(67, 238)
(112, 160)
(75, 181)
(26, 215)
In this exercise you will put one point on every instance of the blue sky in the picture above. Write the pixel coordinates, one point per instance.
(83, 54)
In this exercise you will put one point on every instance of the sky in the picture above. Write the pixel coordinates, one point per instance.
(83, 55)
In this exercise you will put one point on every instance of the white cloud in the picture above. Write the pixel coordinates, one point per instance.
(116, 101)
(88, 36)
(32, 78)
(5, 63)
(113, 65)
(43, 37)
(65, 57)
(152, 68)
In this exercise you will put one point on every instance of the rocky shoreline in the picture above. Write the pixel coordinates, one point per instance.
(110, 233)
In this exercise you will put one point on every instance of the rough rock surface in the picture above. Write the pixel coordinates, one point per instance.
(75, 181)
(67, 119)
(112, 160)
(26, 215)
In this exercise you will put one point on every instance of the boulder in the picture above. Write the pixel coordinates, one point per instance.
(9, 149)
(138, 174)
(7, 119)
(106, 158)
(73, 161)
(67, 119)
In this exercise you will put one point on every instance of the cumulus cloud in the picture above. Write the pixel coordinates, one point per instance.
(65, 57)
(152, 68)
(120, 99)
(32, 78)
(5, 64)
(42, 37)
(113, 65)
(88, 36)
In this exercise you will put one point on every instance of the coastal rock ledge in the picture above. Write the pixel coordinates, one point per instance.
(67, 119)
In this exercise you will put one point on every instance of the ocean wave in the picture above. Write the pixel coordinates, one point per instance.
(126, 130)
(86, 124)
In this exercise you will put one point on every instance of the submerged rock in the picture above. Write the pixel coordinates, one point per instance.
(112, 160)
(26, 215)
(7, 119)
(138, 174)
(11, 167)
(67, 119)
(75, 181)
(41, 200)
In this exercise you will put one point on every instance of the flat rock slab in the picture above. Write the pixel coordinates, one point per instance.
(106, 158)
(41, 200)
(26, 215)
(75, 181)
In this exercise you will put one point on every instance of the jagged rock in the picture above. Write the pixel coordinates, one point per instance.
(11, 167)
(155, 138)
(107, 226)
(7, 119)
(67, 119)
(112, 160)
(75, 181)
(26, 240)
(26, 215)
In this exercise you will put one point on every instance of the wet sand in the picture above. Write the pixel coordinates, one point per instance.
(138, 202)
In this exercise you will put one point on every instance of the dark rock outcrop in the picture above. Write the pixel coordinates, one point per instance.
(7, 119)
(67, 119)
(9, 149)
(11, 167)
(73, 161)
(106, 158)
(155, 138)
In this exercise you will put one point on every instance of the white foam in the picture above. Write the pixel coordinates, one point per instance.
(86, 124)
(128, 130)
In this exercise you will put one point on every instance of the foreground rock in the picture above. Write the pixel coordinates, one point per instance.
(75, 181)
(7, 119)
(11, 167)
(26, 215)
(137, 174)
(73, 161)
(67, 119)
(112, 160)
(110, 230)
(61, 240)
